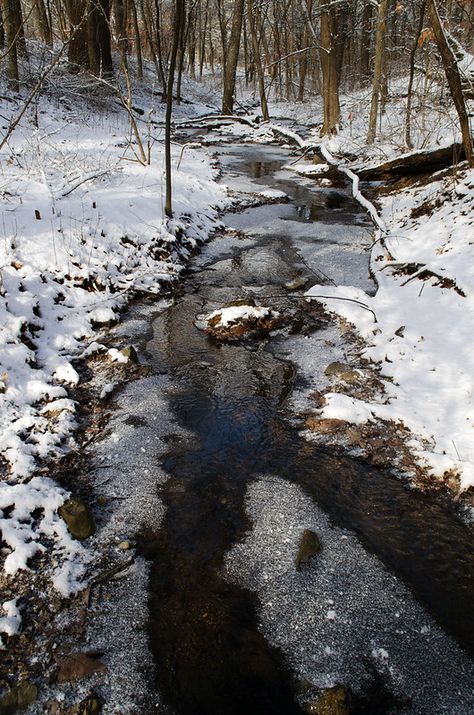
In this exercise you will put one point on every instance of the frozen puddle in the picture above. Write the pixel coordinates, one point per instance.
(343, 619)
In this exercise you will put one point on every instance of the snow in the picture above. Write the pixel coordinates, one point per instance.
(422, 328)
(83, 230)
(227, 316)
(23, 531)
(10, 623)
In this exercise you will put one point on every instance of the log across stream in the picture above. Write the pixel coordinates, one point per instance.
(234, 628)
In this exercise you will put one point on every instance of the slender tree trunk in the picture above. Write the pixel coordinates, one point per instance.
(138, 44)
(120, 17)
(42, 22)
(378, 69)
(408, 140)
(9, 19)
(453, 77)
(232, 57)
(19, 28)
(258, 62)
(328, 54)
(2, 29)
(179, 18)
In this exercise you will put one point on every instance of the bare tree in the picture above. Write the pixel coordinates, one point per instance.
(232, 57)
(378, 69)
(179, 20)
(453, 77)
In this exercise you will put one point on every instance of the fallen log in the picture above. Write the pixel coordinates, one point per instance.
(417, 162)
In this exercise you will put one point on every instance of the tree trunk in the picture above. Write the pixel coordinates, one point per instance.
(378, 69)
(258, 62)
(9, 19)
(232, 57)
(365, 44)
(453, 77)
(77, 51)
(414, 48)
(120, 17)
(138, 44)
(2, 29)
(98, 37)
(42, 22)
(328, 54)
(179, 18)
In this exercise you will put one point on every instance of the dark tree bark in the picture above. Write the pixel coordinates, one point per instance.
(328, 55)
(258, 62)
(120, 18)
(98, 37)
(2, 28)
(78, 55)
(42, 22)
(179, 20)
(232, 57)
(11, 37)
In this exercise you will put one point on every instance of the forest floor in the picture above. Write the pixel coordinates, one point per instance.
(84, 234)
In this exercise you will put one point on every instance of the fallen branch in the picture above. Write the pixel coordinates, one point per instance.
(84, 181)
(417, 162)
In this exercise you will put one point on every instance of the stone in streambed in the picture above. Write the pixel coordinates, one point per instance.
(332, 701)
(18, 698)
(78, 518)
(310, 545)
(130, 353)
(296, 283)
(343, 372)
(90, 706)
(238, 302)
(77, 666)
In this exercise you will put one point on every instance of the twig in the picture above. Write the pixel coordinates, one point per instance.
(110, 573)
(88, 178)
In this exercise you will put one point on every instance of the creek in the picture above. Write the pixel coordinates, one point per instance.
(215, 649)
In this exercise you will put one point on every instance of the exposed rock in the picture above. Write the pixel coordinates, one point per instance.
(130, 353)
(296, 283)
(343, 372)
(77, 666)
(18, 698)
(78, 518)
(334, 369)
(323, 426)
(90, 706)
(310, 545)
(239, 321)
(124, 545)
(238, 302)
(332, 701)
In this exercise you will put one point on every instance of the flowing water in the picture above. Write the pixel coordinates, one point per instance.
(232, 401)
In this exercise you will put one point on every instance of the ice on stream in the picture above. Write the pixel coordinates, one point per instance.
(344, 619)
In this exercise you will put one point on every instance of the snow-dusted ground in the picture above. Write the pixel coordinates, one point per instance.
(83, 230)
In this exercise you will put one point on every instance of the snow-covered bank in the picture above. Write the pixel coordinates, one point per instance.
(83, 231)
(424, 312)
(417, 328)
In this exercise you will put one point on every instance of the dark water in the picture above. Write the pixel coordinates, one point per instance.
(211, 658)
